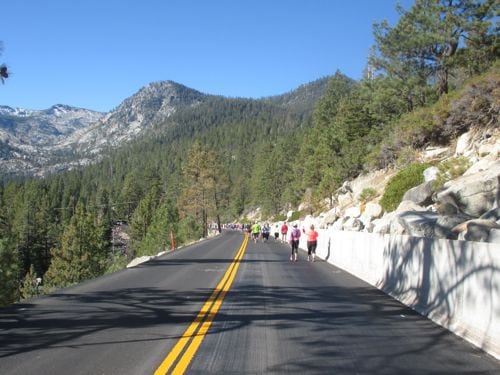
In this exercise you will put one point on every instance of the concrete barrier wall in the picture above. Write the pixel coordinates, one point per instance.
(454, 283)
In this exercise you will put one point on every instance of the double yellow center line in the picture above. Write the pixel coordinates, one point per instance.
(196, 332)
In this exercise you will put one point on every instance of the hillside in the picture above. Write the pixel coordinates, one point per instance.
(61, 138)
(444, 181)
(31, 139)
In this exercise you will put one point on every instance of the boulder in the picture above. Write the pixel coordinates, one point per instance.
(330, 217)
(432, 153)
(447, 208)
(345, 188)
(480, 166)
(430, 174)
(339, 224)
(373, 210)
(445, 224)
(353, 224)
(369, 226)
(473, 194)
(476, 230)
(396, 227)
(418, 223)
(353, 212)
(463, 144)
(493, 215)
(489, 150)
(421, 194)
(409, 206)
(381, 226)
(345, 200)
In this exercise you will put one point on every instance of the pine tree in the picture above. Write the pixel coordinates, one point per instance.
(220, 183)
(326, 137)
(45, 235)
(164, 225)
(196, 199)
(9, 271)
(130, 195)
(143, 217)
(423, 45)
(81, 253)
(262, 178)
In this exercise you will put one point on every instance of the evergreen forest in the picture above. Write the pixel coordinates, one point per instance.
(215, 162)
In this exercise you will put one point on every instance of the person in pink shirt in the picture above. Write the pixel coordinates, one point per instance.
(312, 242)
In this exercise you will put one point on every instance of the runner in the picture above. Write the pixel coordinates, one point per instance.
(294, 241)
(256, 232)
(312, 242)
(284, 231)
(266, 229)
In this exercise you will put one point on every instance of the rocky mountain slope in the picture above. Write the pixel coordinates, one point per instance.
(32, 138)
(37, 142)
(151, 105)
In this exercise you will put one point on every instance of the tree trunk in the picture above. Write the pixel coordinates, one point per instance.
(205, 223)
(219, 226)
(443, 81)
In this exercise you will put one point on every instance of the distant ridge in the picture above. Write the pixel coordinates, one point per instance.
(61, 137)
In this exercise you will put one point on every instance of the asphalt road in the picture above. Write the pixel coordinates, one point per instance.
(262, 315)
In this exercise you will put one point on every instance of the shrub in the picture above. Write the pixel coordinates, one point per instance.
(116, 263)
(406, 156)
(451, 169)
(367, 194)
(295, 216)
(399, 184)
(189, 229)
(29, 286)
(415, 128)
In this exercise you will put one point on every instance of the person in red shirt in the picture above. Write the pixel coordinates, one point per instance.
(312, 242)
(284, 231)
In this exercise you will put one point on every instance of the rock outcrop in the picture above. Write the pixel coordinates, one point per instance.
(465, 208)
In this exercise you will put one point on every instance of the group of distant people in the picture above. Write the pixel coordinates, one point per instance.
(292, 235)
(258, 232)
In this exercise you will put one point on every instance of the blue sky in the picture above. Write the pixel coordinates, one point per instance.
(95, 53)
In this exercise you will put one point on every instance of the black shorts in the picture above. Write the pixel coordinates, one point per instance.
(311, 247)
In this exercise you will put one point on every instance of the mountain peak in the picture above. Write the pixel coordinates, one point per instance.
(59, 109)
(19, 112)
(167, 91)
(156, 101)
